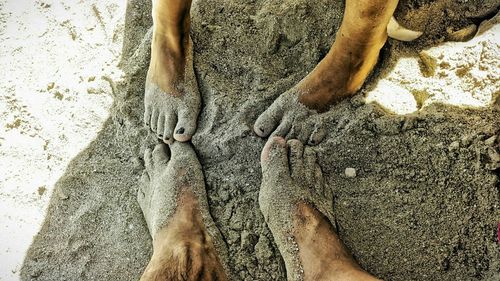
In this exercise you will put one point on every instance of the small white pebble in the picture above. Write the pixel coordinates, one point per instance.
(350, 172)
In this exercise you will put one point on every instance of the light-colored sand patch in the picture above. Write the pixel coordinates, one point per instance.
(455, 73)
(53, 100)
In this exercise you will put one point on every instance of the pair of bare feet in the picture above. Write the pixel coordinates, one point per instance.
(293, 198)
(172, 98)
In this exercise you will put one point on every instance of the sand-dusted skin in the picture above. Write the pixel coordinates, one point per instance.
(340, 74)
(186, 243)
(297, 206)
(172, 98)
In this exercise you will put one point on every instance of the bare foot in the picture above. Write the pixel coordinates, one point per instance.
(340, 74)
(172, 98)
(172, 196)
(298, 209)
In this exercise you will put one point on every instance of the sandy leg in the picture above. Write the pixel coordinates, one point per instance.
(172, 98)
(298, 208)
(339, 75)
(173, 199)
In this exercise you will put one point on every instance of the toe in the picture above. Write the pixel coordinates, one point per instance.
(283, 128)
(186, 126)
(147, 116)
(274, 160)
(296, 157)
(268, 120)
(160, 127)
(310, 164)
(317, 136)
(154, 119)
(318, 180)
(143, 188)
(160, 154)
(168, 129)
(148, 160)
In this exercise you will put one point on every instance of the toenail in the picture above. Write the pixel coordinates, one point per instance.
(180, 131)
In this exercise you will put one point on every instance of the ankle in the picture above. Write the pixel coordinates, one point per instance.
(168, 45)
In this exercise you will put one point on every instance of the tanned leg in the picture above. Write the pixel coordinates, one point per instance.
(173, 199)
(297, 206)
(341, 72)
(172, 99)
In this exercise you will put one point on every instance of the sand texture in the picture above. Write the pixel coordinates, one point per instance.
(416, 196)
(59, 60)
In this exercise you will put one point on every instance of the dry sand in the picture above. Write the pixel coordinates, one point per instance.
(423, 203)
(53, 101)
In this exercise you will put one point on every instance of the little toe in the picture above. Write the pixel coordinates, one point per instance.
(168, 129)
(147, 116)
(268, 120)
(160, 127)
(154, 119)
(274, 159)
(186, 126)
(160, 155)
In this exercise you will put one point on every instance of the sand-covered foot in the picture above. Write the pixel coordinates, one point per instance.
(339, 75)
(290, 119)
(172, 98)
(287, 182)
(172, 196)
(298, 208)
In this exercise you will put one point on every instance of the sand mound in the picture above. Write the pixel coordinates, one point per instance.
(424, 201)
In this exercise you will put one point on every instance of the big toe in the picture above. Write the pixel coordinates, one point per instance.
(268, 120)
(186, 126)
(274, 159)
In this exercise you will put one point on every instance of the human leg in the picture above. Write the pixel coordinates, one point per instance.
(186, 244)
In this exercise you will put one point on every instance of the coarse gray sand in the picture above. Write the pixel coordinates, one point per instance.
(424, 204)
